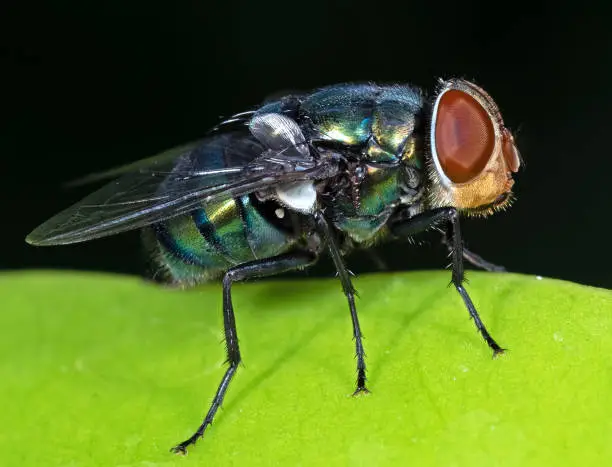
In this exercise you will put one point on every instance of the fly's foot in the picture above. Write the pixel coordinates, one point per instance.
(494, 346)
(361, 390)
(181, 448)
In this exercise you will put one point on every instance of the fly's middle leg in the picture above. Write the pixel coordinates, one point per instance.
(253, 269)
(349, 291)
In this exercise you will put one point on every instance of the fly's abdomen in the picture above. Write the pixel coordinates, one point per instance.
(213, 238)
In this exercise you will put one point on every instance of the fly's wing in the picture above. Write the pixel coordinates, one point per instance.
(166, 158)
(272, 152)
(163, 159)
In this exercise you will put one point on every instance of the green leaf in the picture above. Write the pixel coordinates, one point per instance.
(100, 370)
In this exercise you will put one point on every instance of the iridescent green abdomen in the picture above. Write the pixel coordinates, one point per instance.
(215, 237)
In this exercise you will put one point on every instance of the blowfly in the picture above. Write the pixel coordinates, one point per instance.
(272, 189)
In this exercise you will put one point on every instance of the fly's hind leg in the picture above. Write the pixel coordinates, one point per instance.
(259, 268)
(450, 218)
(473, 258)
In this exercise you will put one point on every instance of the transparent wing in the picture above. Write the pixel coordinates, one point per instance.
(164, 158)
(222, 166)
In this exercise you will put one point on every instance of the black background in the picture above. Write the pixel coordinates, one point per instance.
(91, 85)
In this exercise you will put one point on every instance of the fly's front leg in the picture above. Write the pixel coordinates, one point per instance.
(450, 217)
(259, 268)
(347, 286)
(473, 258)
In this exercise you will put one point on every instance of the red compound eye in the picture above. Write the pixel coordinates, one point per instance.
(464, 136)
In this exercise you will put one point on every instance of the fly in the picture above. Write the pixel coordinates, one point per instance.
(270, 190)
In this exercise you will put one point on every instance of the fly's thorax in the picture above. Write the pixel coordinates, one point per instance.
(374, 129)
(473, 155)
(379, 120)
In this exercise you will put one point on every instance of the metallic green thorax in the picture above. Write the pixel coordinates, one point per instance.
(379, 119)
(379, 123)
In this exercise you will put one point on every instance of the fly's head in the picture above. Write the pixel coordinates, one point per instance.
(473, 155)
